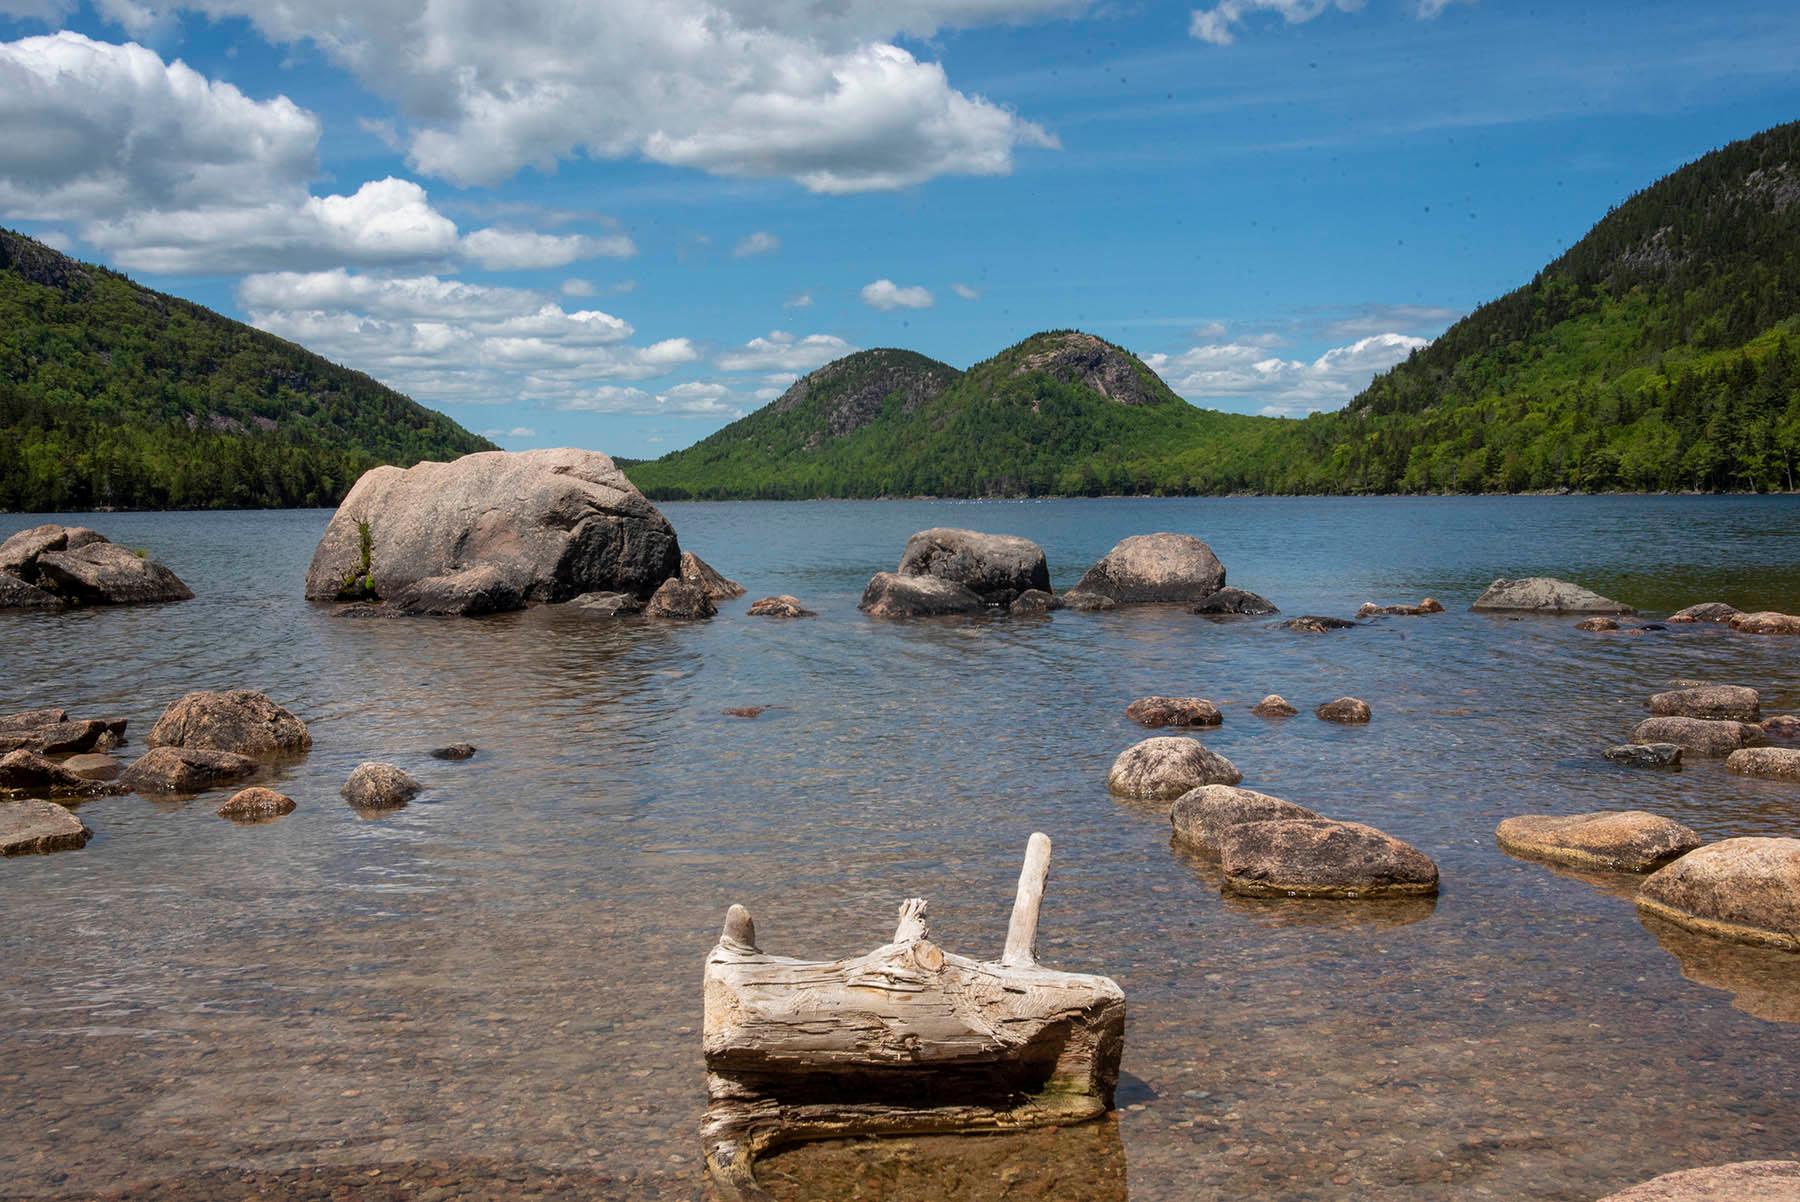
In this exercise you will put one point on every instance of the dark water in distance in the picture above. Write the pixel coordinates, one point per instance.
(508, 970)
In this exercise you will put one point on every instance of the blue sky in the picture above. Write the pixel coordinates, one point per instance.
(622, 225)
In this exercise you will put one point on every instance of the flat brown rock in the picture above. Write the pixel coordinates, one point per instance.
(186, 770)
(1747, 890)
(1706, 611)
(25, 771)
(1766, 622)
(1201, 816)
(1545, 595)
(1274, 706)
(239, 720)
(1613, 840)
(781, 606)
(1728, 701)
(256, 802)
(1174, 711)
(1316, 857)
(32, 719)
(1745, 1181)
(678, 600)
(891, 595)
(1702, 736)
(1352, 711)
(95, 765)
(1771, 763)
(37, 826)
(1163, 768)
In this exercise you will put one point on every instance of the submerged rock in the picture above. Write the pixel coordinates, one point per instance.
(1352, 711)
(1782, 726)
(1598, 625)
(72, 565)
(240, 720)
(1612, 840)
(433, 536)
(93, 766)
(1702, 736)
(455, 751)
(1034, 601)
(891, 595)
(744, 711)
(186, 770)
(1729, 701)
(782, 606)
(1174, 711)
(680, 601)
(1088, 602)
(1273, 706)
(1770, 763)
(378, 786)
(1746, 890)
(1745, 1181)
(1163, 768)
(1317, 857)
(1545, 595)
(714, 584)
(1201, 816)
(1151, 568)
(1706, 611)
(1430, 605)
(1315, 624)
(608, 605)
(1766, 622)
(33, 825)
(256, 802)
(995, 567)
(1645, 755)
(1228, 602)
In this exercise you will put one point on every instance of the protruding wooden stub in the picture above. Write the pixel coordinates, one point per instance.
(905, 1039)
(1021, 932)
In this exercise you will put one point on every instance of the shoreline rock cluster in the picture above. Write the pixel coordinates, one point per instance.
(51, 566)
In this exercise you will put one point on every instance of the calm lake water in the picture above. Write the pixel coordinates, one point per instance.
(496, 991)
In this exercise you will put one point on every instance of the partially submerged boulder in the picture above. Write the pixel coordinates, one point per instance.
(781, 606)
(1430, 605)
(1201, 816)
(58, 738)
(1611, 840)
(609, 605)
(25, 771)
(678, 600)
(378, 786)
(493, 530)
(1034, 601)
(995, 567)
(1598, 625)
(1545, 595)
(1728, 701)
(1702, 736)
(186, 770)
(1770, 763)
(891, 595)
(1163, 768)
(1174, 711)
(255, 803)
(72, 565)
(1782, 726)
(1766, 622)
(1352, 711)
(1315, 624)
(240, 720)
(1235, 602)
(1274, 706)
(1745, 1181)
(34, 825)
(1746, 890)
(1317, 857)
(97, 766)
(1706, 611)
(1645, 755)
(1152, 568)
(455, 751)
(698, 572)
(32, 719)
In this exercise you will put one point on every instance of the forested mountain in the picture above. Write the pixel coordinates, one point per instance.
(1060, 413)
(112, 395)
(1661, 351)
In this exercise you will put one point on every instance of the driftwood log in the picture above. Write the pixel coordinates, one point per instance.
(907, 1039)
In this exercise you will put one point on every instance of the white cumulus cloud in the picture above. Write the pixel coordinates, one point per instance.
(783, 351)
(1291, 387)
(508, 249)
(759, 243)
(1220, 23)
(884, 294)
(965, 291)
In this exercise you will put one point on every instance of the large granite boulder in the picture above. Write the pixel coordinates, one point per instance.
(1766, 622)
(1702, 736)
(34, 825)
(1545, 595)
(72, 565)
(1151, 568)
(186, 770)
(1201, 816)
(1745, 889)
(240, 720)
(493, 531)
(1706, 611)
(1745, 1181)
(1771, 763)
(377, 786)
(995, 567)
(891, 595)
(1174, 711)
(1611, 840)
(1317, 857)
(1727, 701)
(711, 581)
(1163, 768)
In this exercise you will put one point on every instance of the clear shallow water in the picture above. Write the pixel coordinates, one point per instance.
(504, 977)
